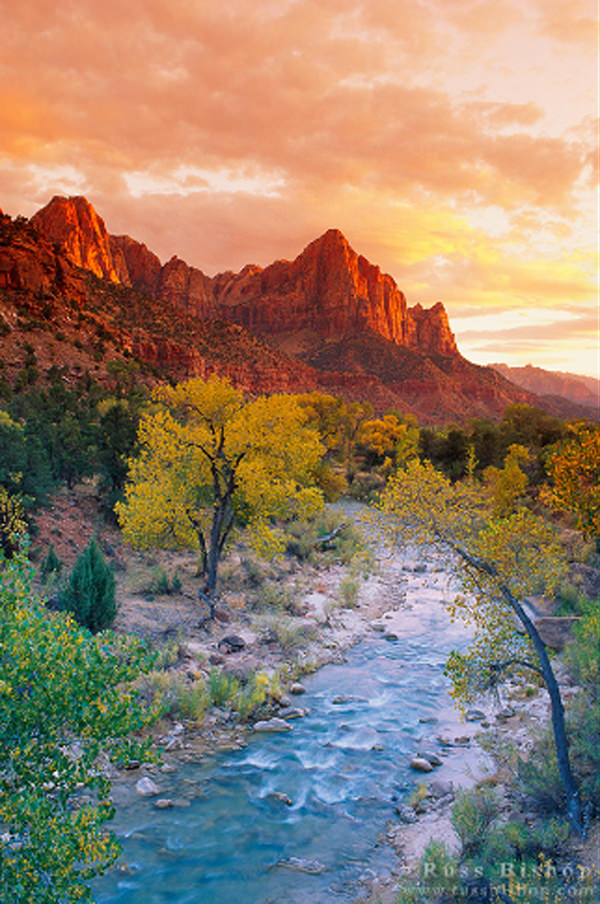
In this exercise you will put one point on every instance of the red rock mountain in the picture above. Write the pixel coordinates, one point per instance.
(328, 320)
(328, 290)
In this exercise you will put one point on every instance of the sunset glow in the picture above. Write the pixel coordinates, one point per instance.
(453, 142)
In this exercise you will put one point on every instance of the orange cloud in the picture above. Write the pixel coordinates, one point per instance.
(236, 133)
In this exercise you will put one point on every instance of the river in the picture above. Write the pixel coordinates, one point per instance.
(344, 766)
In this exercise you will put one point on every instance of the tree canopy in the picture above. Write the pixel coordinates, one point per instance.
(574, 469)
(210, 459)
(501, 555)
(65, 702)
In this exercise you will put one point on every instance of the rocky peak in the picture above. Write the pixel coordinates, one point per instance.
(80, 231)
(329, 290)
(430, 330)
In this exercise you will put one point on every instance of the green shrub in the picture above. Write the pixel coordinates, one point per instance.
(539, 777)
(223, 689)
(177, 696)
(571, 599)
(169, 653)
(51, 565)
(303, 538)
(582, 655)
(89, 593)
(472, 815)
(253, 696)
(161, 585)
(274, 596)
(289, 635)
(583, 726)
(193, 701)
(348, 591)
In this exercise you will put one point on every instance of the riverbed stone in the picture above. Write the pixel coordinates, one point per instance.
(439, 788)
(297, 688)
(163, 803)
(504, 715)
(146, 787)
(274, 724)
(430, 756)
(406, 814)
(292, 712)
(303, 865)
(420, 764)
(474, 715)
(281, 796)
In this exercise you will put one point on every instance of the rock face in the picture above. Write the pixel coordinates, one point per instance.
(328, 290)
(556, 631)
(331, 291)
(76, 227)
(327, 321)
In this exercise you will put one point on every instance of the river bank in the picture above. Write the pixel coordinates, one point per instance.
(305, 809)
(396, 602)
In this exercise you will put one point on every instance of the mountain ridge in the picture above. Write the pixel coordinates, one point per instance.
(576, 388)
(79, 297)
(328, 287)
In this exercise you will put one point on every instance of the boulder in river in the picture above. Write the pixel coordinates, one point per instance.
(474, 715)
(274, 724)
(304, 866)
(420, 764)
(146, 787)
(281, 796)
(297, 688)
(292, 712)
(432, 758)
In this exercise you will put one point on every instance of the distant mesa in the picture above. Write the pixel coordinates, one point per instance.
(575, 388)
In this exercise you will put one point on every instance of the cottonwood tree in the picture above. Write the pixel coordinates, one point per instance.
(574, 469)
(499, 559)
(209, 458)
(65, 701)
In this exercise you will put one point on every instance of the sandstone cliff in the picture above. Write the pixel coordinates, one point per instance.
(76, 227)
(328, 319)
(328, 290)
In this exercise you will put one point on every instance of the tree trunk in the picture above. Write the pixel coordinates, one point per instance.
(558, 718)
(557, 709)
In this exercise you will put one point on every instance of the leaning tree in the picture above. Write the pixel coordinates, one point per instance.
(501, 556)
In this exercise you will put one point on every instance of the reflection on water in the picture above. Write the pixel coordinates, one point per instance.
(342, 766)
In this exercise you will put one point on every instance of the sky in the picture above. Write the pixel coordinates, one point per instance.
(453, 142)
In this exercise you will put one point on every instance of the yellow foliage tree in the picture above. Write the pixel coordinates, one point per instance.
(499, 560)
(574, 468)
(508, 484)
(390, 439)
(210, 457)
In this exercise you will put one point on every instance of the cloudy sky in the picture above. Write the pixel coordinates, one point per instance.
(452, 141)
